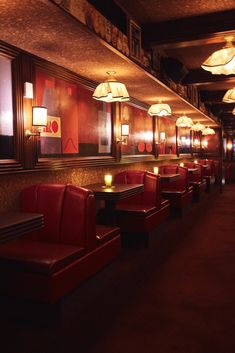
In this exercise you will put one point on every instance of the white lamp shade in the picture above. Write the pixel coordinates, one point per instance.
(160, 109)
(39, 116)
(229, 96)
(111, 90)
(208, 131)
(125, 130)
(197, 127)
(184, 121)
(28, 90)
(222, 61)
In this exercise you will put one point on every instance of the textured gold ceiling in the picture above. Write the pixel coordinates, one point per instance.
(42, 28)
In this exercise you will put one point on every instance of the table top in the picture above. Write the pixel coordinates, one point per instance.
(15, 224)
(167, 178)
(116, 192)
(192, 170)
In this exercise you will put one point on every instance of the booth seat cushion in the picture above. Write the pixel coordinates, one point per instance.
(38, 257)
(141, 209)
(105, 233)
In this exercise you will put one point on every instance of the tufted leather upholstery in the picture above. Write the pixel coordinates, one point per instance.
(47, 264)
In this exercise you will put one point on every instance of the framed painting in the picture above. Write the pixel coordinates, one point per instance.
(135, 40)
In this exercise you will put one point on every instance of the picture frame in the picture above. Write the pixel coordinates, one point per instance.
(135, 40)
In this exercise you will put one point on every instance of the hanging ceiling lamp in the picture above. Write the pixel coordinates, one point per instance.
(111, 90)
(229, 96)
(184, 121)
(208, 131)
(222, 61)
(160, 109)
(198, 127)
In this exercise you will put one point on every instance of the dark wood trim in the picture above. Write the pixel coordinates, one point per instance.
(15, 164)
(202, 77)
(188, 29)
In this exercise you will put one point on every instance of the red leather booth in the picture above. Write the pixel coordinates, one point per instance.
(178, 192)
(142, 213)
(196, 180)
(47, 264)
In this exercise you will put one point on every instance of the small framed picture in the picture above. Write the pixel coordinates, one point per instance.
(135, 40)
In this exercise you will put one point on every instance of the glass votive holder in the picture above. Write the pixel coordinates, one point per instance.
(155, 170)
(195, 162)
(108, 180)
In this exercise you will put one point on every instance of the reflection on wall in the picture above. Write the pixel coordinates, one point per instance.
(77, 123)
(166, 135)
(140, 139)
(184, 140)
(211, 144)
(6, 111)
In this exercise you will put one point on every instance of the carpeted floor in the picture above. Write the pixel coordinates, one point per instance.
(176, 295)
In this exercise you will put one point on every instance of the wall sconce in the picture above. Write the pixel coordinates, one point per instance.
(196, 143)
(162, 136)
(28, 90)
(124, 134)
(39, 119)
(229, 146)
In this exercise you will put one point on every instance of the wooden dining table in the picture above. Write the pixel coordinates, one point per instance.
(111, 195)
(16, 224)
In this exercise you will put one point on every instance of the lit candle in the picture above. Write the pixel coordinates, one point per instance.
(108, 180)
(181, 164)
(155, 170)
(195, 162)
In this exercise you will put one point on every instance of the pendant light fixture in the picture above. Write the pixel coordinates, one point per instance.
(111, 90)
(198, 127)
(208, 131)
(222, 61)
(229, 96)
(184, 121)
(160, 109)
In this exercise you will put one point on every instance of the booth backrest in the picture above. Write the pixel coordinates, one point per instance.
(152, 188)
(68, 211)
(78, 219)
(182, 183)
(195, 177)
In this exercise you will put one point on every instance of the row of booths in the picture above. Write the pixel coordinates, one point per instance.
(77, 240)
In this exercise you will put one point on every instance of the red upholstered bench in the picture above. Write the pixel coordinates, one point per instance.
(211, 173)
(142, 213)
(178, 192)
(196, 180)
(47, 264)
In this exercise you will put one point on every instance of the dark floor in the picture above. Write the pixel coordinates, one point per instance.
(177, 295)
